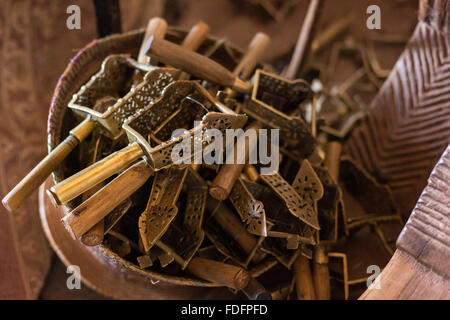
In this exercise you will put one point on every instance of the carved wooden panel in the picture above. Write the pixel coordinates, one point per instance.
(408, 124)
(426, 236)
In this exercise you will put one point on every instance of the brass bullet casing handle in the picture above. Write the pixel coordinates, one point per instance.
(195, 64)
(14, 199)
(87, 178)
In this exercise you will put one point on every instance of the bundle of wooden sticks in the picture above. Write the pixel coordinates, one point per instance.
(224, 223)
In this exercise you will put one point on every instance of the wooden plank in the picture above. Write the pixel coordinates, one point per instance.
(426, 236)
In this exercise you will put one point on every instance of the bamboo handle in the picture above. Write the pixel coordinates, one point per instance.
(94, 209)
(321, 273)
(303, 279)
(82, 181)
(156, 27)
(251, 172)
(218, 272)
(14, 199)
(194, 63)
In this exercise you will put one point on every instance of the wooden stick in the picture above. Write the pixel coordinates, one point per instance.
(156, 27)
(196, 36)
(253, 55)
(321, 273)
(303, 40)
(332, 159)
(90, 212)
(331, 32)
(193, 41)
(228, 174)
(314, 116)
(251, 172)
(195, 64)
(95, 235)
(303, 279)
(233, 226)
(218, 272)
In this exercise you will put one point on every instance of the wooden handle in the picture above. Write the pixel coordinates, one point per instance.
(332, 159)
(95, 235)
(321, 273)
(252, 56)
(224, 181)
(194, 63)
(84, 180)
(303, 40)
(218, 272)
(94, 209)
(228, 174)
(234, 227)
(14, 199)
(303, 279)
(156, 27)
(196, 36)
